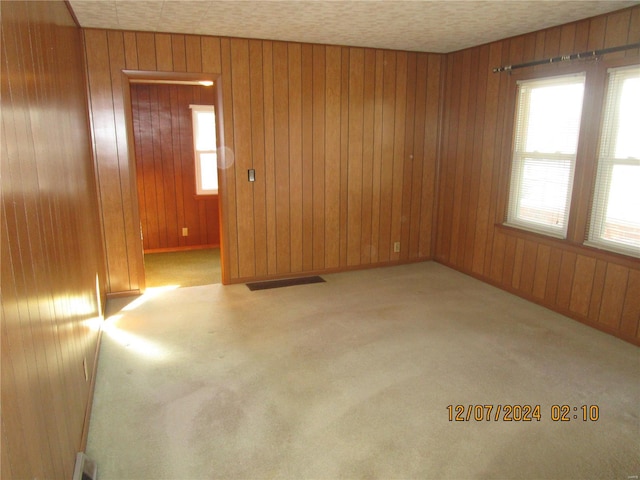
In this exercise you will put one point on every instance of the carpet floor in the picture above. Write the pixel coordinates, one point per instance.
(187, 268)
(359, 377)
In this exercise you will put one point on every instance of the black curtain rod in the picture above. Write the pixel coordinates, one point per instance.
(563, 58)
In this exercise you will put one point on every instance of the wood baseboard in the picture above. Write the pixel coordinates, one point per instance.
(124, 293)
(180, 249)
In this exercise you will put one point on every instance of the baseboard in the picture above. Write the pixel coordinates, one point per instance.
(181, 249)
(562, 311)
(124, 293)
(326, 271)
(92, 387)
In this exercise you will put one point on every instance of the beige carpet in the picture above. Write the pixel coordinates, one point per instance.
(352, 379)
(187, 268)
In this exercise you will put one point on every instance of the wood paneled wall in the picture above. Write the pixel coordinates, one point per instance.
(598, 289)
(165, 168)
(53, 270)
(343, 140)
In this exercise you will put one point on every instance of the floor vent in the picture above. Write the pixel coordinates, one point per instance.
(286, 282)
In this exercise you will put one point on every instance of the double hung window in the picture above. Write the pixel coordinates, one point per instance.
(615, 216)
(204, 143)
(544, 157)
(600, 205)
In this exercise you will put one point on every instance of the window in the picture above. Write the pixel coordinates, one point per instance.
(545, 144)
(615, 216)
(204, 144)
(575, 159)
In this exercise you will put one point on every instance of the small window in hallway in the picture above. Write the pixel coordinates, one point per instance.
(204, 144)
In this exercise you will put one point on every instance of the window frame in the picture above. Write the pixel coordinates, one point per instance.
(605, 159)
(586, 159)
(197, 152)
(519, 155)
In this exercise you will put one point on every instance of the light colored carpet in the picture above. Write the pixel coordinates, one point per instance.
(352, 378)
(187, 268)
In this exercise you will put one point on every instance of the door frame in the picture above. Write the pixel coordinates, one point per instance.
(143, 76)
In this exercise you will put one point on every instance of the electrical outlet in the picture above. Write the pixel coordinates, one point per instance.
(185, 232)
(396, 247)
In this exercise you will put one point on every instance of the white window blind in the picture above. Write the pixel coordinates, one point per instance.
(547, 127)
(204, 143)
(615, 216)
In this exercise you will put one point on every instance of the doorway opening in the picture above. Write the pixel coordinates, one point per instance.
(180, 224)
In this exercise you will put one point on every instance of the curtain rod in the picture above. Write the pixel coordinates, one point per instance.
(563, 58)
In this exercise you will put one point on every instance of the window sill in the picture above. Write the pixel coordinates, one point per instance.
(568, 245)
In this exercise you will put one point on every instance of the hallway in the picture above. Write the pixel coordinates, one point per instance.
(188, 268)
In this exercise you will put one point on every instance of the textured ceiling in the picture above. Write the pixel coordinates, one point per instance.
(437, 26)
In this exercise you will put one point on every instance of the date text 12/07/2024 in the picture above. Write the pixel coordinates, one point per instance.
(522, 413)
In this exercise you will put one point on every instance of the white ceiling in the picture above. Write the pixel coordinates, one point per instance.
(437, 26)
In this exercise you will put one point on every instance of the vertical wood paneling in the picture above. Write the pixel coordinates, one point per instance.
(165, 167)
(146, 51)
(258, 153)
(418, 165)
(448, 163)
(307, 157)
(228, 179)
(368, 142)
(613, 295)
(127, 177)
(409, 156)
(319, 125)
(377, 156)
(178, 50)
(480, 85)
(177, 124)
(487, 159)
(164, 56)
(343, 140)
(542, 269)
(193, 53)
(333, 69)
(355, 180)
(269, 159)
(461, 155)
(51, 247)
(344, 155)
(397, 175)
(583, 282)
(388, 142)
(211, 55)
(295, 154)
(243, 156)
(631, 309)
(104, 144)
(431, 156)
(476, 144)
(282, 171)
(130, 50)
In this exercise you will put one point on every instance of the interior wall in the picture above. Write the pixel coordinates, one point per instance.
(52, 259)
(343, 140)
(602, 290)
(165, 168)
